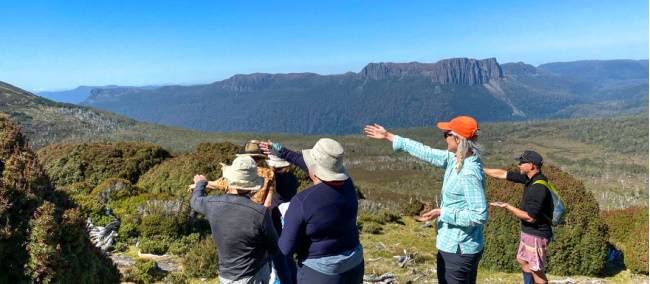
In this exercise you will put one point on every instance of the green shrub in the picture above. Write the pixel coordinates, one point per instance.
(144, 271)
(95, 162)
(384, 217)
(636, 257)
(370, 228)
(127, 231)
(579, 247)
(176, 278)
(155, 245)
(113, 189)
(411, 208)
(626, 232)
(161, 224)
(183, 245)
(174, 175)
(201, 259)
(371, 220)
(120, 247)
(43, 235)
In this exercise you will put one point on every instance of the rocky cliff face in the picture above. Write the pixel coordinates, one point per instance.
(462, 71)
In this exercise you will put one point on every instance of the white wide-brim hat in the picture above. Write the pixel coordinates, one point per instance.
(277, 162)
(242, 174)
(325, 160)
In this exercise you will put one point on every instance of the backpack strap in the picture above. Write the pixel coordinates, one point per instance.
(550, 189)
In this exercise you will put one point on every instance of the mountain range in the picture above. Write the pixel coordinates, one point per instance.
(394, 94)
(79, 94)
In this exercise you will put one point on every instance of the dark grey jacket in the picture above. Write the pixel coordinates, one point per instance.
(242, 231)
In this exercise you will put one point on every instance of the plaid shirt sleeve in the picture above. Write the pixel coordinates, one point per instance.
(423, 152)
(476, 211)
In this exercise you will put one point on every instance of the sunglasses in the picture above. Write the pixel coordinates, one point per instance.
(446, 134)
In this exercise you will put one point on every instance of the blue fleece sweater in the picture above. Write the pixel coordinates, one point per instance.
(321, 220)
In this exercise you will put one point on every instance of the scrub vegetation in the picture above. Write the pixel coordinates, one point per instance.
(144, 185)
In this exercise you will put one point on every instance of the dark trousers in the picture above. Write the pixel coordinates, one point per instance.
(307, 275)
(457, 268)
(285, 268)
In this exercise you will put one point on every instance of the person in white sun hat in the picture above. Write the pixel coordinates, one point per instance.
(241, 229)
(321, 221)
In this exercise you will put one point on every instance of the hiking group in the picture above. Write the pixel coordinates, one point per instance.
(267, 232)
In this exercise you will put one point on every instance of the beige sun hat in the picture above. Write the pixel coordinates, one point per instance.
(325, 160)
(251, 149)
(277, 162)
(242, 174)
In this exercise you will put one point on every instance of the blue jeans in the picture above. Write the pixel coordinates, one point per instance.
(307, 275)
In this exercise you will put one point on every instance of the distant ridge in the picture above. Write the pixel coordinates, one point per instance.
(462, 71)
(396, 94)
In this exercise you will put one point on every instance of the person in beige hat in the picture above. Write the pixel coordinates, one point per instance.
(266, 194)
(241, 229)
(320, 224)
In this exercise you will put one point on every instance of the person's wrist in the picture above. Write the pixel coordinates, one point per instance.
(390, 136)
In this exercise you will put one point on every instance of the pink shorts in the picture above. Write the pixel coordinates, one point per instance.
(532, 249)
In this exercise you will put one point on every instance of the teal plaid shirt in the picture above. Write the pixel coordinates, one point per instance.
(463, 207)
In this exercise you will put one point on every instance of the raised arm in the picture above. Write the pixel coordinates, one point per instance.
(433, 156)
(279, 150)
(496, 173)
(199, 200)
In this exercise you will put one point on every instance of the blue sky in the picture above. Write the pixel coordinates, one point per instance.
(50, 45)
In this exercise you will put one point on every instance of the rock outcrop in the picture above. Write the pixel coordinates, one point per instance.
(463, 71)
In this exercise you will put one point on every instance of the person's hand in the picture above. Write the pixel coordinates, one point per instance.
(270, 148)
(499, 204)
(198, 178)
(435, 213)
(376, 131)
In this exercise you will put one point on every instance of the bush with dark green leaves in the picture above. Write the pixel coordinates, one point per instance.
(155, 245)
(95, 162)
(628, 231)
(112, 189)
(174, 176)
(43, 235)
(579, 246)
(201, 259)
(182, 245)
(163, 218)
(373, 222)
(144, 271)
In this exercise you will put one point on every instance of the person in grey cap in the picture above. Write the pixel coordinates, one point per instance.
(241, 229)
(535, 214)
(320, 225)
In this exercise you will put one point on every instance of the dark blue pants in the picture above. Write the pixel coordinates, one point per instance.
(307, 275)
(285, 268)
(457, 268)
